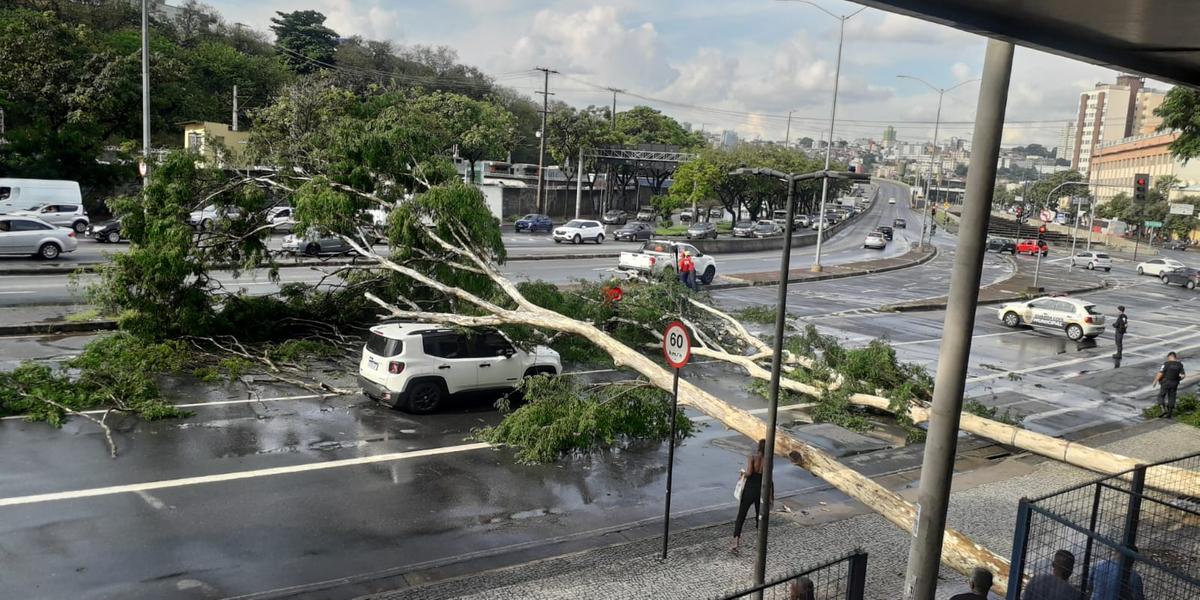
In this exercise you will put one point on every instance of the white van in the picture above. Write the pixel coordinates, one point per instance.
(24, 194)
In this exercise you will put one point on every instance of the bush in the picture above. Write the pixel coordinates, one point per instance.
(757, 314)
(561, 417)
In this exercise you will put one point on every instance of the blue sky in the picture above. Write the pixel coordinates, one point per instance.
(746, 63)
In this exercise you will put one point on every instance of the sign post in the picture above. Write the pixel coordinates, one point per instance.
(677, 348)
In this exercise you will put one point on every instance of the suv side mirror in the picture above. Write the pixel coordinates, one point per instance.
(507, 352)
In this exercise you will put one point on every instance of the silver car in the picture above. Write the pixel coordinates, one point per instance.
(60, 215)
(31, 235)
(314, 244)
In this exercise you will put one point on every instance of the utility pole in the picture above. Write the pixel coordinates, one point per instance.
(542, 136)
(235, 112)
(937, 466)
(787, 137)
(146, 89)
(612, 116)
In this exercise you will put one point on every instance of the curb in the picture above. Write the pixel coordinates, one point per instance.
(912, 263)
(57, 327)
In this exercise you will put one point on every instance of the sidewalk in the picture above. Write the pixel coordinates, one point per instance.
(983, 507)
(1053, 278)
(49, 319)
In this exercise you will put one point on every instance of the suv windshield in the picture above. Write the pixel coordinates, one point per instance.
(381, 345)
(576, 224)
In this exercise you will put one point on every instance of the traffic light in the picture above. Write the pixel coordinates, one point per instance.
(1041, 232)
(1141, 181)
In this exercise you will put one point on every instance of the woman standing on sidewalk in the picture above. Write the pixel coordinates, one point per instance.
(751, 492)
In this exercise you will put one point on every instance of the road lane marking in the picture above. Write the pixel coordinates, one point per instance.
(977, 336)
(9, 293)
(154, 503)
(1075, 361)
(238, 475)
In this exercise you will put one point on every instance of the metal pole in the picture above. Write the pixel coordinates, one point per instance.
(670, 463)
(787, 136)
(235, 114)
(579, 183)
(1091, 223)
(925, 217)
(1037, 267)
(542, 138)
(1074, 230)
(837, 73)
(1132, 517)
(760, 561)
(941, 442)
(146, 87)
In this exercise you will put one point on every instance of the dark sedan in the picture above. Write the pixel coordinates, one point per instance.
(615, 217)
(743, 229)
(634, 231)
(533, 223)
(767, 229)
(1001, 245)
(109, 232)
(1187, 277)
(886, 231)
(899, 224)
(700, 231)
(1175, 245)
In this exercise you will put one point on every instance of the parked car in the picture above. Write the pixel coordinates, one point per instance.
(716, 213)
(1092, 260)
(59, 215)
(1176, 245)
(700, 231)
(109, 232)
(1157, 266)
(634, 231)
(891, 200)
(314, 244)
(578, 231)
(416, 367)
(767, 229)
(280, 218)
(875, 240)
(615, 217)
(802, 222)
(33, 236)
(886, 231)
(743, 229)
(820, 223)
(685, 216)
(206, 218)
(647, 214)
(1077, 318)
(533, 222)
(1001, 245)
(657, 256)
(1187, 277)
(798, 222)
(899, 223)
(1032, 247)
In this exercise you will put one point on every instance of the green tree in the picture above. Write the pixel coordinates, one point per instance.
(1116, 208)
(480, 129)
(1042, 188)
(569, 130)
(1180, 111)
(645, 125)
(304, 39)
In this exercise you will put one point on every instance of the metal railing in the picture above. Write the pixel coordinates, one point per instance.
(1130, 536)
(842, 578)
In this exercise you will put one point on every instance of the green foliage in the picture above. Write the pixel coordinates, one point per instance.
(304, 39)
(560, 417)
(1187, 410)
(1043, 187)
(761, 314)
(674, 230)
(295, 350)
(835, 407)
(1180, 111)
(980, 409)
(1116, 207)
(665, 204)
(114, 371)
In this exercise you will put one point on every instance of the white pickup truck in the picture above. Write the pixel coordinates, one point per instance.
(659, 255)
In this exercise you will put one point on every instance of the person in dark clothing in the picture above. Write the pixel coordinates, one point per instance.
(981, 583)
(751, 492)
(1168, 378)
(1120, 326)
(802, 589)
(1055, 585)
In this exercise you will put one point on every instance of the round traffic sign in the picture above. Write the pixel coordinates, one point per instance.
(142, 168)
(677, 346)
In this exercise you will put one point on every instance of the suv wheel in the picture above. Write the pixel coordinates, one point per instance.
(49, 251)
(313, 249)
(1140, 271)
(1164, 279)
(424, 397)
(709, 274)
(1191, 285)
(1012, 319)
(1074, 332)
(1091, 266)
(576, 239)
(600, 239)
(113, 237)
(80, 227)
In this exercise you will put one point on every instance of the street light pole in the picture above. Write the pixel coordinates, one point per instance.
(146, 88)
(837, 73)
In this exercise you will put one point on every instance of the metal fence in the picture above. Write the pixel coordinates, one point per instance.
(1131, 536)
(843, 578)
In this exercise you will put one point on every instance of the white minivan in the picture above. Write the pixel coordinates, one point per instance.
(23, 194)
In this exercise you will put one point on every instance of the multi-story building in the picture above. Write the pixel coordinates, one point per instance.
(1066, 144)
(1111, 112)
(889, 135)
(1114, 164)
(729, 138)
(215, 142)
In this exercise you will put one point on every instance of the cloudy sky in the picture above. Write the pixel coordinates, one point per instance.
(723, 64)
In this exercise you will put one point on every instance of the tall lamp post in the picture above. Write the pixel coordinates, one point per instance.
(837, 73)
(790, 179)
(936, 125)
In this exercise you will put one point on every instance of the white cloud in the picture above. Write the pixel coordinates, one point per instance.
(899, 29)
(961, 71)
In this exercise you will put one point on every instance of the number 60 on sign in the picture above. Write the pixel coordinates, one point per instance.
(677, 346)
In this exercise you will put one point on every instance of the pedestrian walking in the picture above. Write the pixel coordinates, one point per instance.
(751, 492)
(687, 271)
(1106, 580)
(1169, 375)
(1055, 585)
(1119, 328)
(980, 586)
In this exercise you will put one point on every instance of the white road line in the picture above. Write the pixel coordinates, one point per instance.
(17, 292)
(1067, 363)
(154, 503)
(236, 475)
(981, 335)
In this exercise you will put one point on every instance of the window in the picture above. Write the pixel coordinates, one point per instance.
(444, 345)
(381, 345)
(489, 344)
(5, 192)
(22, 225)
(3, 225)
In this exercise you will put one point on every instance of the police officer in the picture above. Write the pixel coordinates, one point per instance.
(1168, 378)
(1119, 328)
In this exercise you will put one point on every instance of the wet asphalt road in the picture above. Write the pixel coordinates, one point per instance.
(214, 537)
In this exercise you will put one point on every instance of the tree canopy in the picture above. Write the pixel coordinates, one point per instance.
(1180, 111)
(304, 40)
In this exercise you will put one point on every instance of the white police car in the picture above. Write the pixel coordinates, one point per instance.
(1077, 318)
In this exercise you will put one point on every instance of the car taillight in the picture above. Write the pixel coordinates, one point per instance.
(395, 367)
(70, 234)
(653, 260)
(1088, 320)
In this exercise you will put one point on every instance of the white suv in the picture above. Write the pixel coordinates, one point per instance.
(1077, 318)
(1092, 260)
(71, 216)
(415, 366)
(579, 230)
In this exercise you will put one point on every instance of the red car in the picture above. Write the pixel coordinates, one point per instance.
(1032, 247)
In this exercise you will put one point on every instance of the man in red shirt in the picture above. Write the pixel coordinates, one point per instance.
(687, 271)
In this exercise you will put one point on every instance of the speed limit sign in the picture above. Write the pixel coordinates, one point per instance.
(677, 346)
